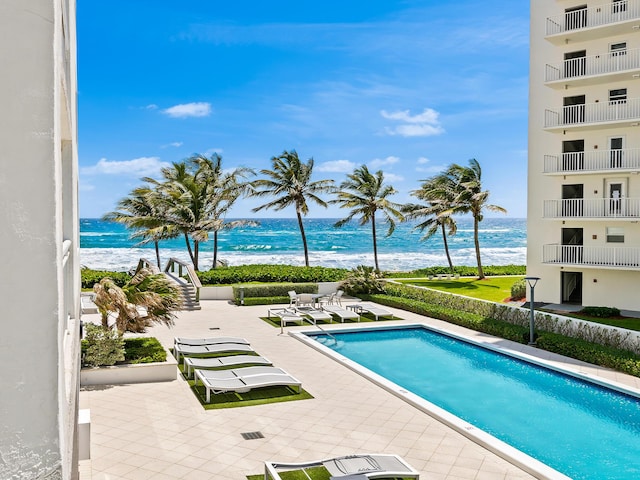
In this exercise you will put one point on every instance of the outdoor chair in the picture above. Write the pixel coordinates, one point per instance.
(365, 466)
(293, 298)
(338, 297)
(191, 363)
(342, 313)
(209, 350)
(372, 309)
(246, 383)
(304, 299)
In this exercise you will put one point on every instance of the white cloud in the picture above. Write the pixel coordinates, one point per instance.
(143, 166)
(431, 169)
(392, 177)
(381, 162)
(172, 144)
(423, 160)
(425, 124)
(337, 166)
(185, 110)
(151, 106)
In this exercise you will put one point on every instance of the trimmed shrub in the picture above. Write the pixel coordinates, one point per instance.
(90, 277)
(519, 289)
(270, 273)
(264, 301)
(144, 350)
(279, 291)
(601, 312)
(102, 346)
(463, 271)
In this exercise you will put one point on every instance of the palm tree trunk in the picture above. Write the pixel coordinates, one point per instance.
(186, 239)
(304, 238)
(196, 251)
(446, 246)
(476, 240)
(157, 253)
(375, 243)
(215, 249)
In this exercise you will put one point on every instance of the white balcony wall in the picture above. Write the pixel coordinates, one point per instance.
(601, 112)
(593, 65)
(613, 257)
(593, 161)
(593, 208)
(597, 16)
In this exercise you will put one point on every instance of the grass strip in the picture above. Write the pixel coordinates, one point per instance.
(313, 473)
(364, 318)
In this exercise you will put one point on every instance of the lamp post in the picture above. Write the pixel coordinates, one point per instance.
(532, 281)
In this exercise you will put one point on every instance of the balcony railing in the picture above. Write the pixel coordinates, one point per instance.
(593, 113)
(609, 13)
(593, 208)
(606, 257)
(594, 161)
(593, 65)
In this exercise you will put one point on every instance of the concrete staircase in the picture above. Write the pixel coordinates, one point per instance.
(190, 302)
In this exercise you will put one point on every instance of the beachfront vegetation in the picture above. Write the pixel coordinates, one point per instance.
(144, 350)
(101, 346)
(436, 214)
(145, 299)
(271, 273)
(363, 279)
(90, 277)
(250, 293)
(519, 289)
(290, 183)
(463, 271)
(366, 194)
(606, 352)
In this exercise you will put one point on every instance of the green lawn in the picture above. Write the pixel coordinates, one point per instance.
(629, 323)
(495, 289)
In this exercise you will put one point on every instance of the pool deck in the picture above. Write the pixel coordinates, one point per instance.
(160, 431)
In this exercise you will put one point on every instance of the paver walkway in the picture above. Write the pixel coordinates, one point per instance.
(159, 431)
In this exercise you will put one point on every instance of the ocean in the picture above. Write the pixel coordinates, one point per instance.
(107, 246)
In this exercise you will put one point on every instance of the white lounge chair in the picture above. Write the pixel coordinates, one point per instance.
(342, 313)
(244, 384)
(209, 350)
(353, 467)
(285, 315)
(221, 362)
(313, 314)
(209, 341)
(372, 309)
(236, 373)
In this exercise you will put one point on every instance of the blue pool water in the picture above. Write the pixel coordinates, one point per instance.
(576, 427)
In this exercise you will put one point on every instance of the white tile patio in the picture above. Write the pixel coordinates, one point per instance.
(159, 431)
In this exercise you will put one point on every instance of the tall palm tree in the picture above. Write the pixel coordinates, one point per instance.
(141, 212)
(225, 189)
(470, 198)
(366, 194)
(290, 182)
(157, 295)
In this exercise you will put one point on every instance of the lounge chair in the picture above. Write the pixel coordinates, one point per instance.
(222, 362)
(244, 384)
(87, 305)
(342, 313)
(209, 341)
(313, 314)
(372, 309)
(350, 467)
(209, 350)
(285, 315)
(236, 373)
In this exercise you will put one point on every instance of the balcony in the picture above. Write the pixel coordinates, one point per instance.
(597, 161)
(609, 114)
(627, 258)
(594, 69)
(593, 208)
(601, 21)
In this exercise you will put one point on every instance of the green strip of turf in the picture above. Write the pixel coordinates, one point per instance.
(275, 322)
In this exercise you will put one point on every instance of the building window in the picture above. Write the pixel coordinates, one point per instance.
(615, 235)
(618, 96)
(617, 49)
(619, 6)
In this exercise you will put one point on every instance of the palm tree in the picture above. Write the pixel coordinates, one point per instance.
(366, 194)
(290, 182)
(141, 212)
(146, 299)
(225, 189)
(470, 198)
(438, 193)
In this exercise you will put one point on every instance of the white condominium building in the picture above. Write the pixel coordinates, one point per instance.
(584, 152)
(40, 281)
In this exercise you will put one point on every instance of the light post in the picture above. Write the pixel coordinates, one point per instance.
(532, 281)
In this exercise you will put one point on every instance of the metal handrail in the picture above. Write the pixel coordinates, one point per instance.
(601, 64)
(600, 15)
(592, 208)
(624, 159)
(619, 257)
(610, 111)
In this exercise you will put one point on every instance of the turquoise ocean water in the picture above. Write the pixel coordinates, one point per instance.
(105, 245)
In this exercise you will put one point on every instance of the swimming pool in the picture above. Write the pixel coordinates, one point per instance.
(578, 428)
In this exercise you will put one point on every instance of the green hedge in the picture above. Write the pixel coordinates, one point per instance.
(270, 273)
(144, 350)
(277, 290)
(605, 356)
(264, 301)
(463, 271)
(90, 277)
(601, 312)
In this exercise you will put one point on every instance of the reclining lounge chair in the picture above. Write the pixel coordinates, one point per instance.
(236, 373)
(246, 383)
(221, 362)
(342, 313)
(209, 350)
(351, 467)
(372, 309)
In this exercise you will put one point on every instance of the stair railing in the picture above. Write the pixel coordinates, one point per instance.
(144, 263)
(184, 268)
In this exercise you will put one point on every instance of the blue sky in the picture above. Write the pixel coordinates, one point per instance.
(408, 87)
